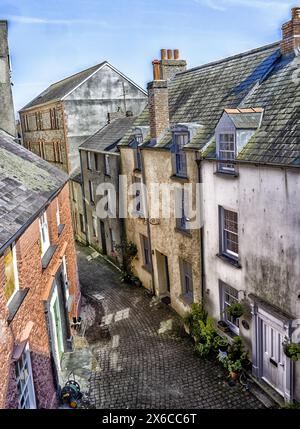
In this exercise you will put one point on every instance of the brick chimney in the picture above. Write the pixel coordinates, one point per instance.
(7, 115)
(291, 33)
(163, 70)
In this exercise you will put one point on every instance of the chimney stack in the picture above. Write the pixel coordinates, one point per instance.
(7, 115)
(163, 70)
(291, 34)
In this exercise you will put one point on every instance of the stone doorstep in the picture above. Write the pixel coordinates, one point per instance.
(268, 396)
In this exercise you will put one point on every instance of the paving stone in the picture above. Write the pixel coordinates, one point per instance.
(143, 369)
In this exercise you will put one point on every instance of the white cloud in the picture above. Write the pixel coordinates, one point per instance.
(33, 20)
(223, 5)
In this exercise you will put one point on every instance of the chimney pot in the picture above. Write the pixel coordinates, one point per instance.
(176, 54)
(163, 54)
(170, 54)
(156, 69)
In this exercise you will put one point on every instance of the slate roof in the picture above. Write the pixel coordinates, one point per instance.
(107, 138)
(27, 183)
(260, 78)
(59, 89)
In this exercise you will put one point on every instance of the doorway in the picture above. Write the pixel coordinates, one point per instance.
(163, 273)
(103, 238)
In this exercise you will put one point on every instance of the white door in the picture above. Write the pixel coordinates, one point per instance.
(56, 327)
(274, 360)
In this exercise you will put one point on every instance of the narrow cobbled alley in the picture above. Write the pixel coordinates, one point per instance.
(132, 354)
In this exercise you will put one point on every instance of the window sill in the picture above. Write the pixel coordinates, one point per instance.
(16, 303)
(107, 175)
(229, 335)
(185, 232)
(227, 174)
(186, 299)
(60, 228)
(229, 260)
(179, 178)
(46, 259)
(137, 170)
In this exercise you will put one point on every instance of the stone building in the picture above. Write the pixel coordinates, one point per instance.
(62, 117)
(100, 165)
(238, 122)
(169, 259)
(39, 290)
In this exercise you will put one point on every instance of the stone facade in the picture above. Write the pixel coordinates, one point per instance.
(30, 323)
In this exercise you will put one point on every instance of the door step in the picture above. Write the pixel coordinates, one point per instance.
(268, 396)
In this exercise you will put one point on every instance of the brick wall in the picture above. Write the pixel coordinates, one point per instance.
(32, 276)
(291, 33)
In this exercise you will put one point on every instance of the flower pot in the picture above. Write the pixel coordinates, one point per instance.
(223, 326)
(234, 375)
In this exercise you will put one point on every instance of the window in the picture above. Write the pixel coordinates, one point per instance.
(41, 149)
(54, 119)
(180, 140)
(229, 233)
(107, 165)
(11, 285)
(112, 239)
(96, 160)
(137, 182)
(181, 222)
(95, 227)
(226, 152)
(25, 381)
(82, 225)
(88, 161)
(91, 190)
(146, 252)
(74, 192)
(57, 213)
(187, 280)
(44, 233)
(138, 159)
(39, 122)
(57, 152)
(228, 296)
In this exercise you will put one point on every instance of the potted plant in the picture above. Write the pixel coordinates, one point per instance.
(235, 310)
(236, 349)
(292, 351)
(234, 367)
(223, 326)
(220, 344)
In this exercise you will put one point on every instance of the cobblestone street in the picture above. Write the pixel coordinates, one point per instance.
(136, 360)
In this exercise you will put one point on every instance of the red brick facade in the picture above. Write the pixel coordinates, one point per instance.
(30, 321)
(291, 33)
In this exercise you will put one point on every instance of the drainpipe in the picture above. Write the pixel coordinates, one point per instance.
(201, 232)
(83, 199)
(148, 226)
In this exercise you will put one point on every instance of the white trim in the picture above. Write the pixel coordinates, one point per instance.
(105, 63)
(16, 276)
(52, 302)
(29, 388)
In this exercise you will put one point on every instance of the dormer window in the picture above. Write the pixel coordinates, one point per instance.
(226, 151)
(179, 141)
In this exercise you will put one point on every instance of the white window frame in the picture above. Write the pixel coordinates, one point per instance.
(180, 140)
(232, 293)
(65, 274)
(112, 240)
(28, 388)
(45, 241)
(91, 192)
(186, 269)
(16, 275)
(95, 226)
(88, 161)
(146, 250)
(107, 164)
(57, 213)
(226, 166)
(225, 232)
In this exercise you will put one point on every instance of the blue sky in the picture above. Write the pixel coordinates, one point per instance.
(52, 39)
